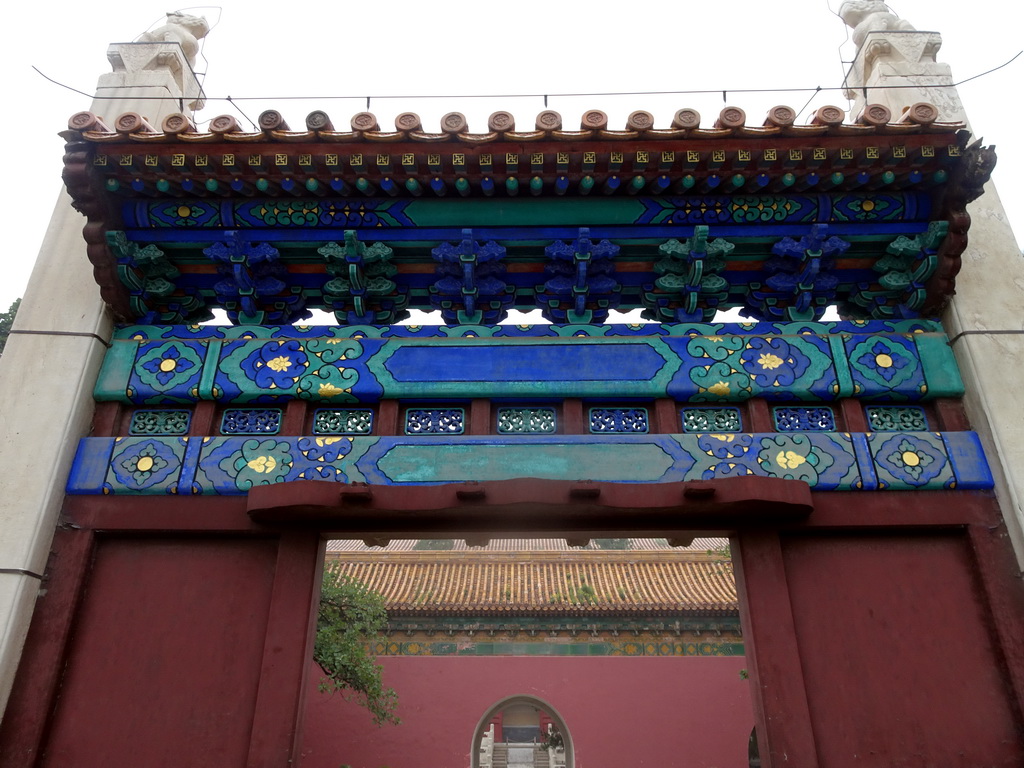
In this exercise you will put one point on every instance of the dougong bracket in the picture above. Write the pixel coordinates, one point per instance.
(150, 278)
(691, 271)
(362, 291)
(471, 285)
(905, 270)
(581, 287)
(251, 289)
(801, 284)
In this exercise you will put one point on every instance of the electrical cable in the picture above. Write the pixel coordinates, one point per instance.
(816, 89)
(997, 332)
(82, 334)
(21, 572)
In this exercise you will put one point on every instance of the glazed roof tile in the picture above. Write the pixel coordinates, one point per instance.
(134, 158)
(524, 545)
(546, 583)
(364, 126)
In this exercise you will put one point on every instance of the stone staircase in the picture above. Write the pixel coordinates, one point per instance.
(541, 758)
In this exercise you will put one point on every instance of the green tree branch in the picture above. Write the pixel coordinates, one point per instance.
(349, 618)
(6, 321)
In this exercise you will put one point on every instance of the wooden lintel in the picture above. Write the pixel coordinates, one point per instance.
(555, 504)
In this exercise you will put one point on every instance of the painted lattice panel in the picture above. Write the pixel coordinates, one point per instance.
(343, 421)
(621, 420)
(896, 418)
(711, 420)
(251, 421)
(526, 421)
(160, 422)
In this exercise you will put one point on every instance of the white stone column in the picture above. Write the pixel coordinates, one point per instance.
(153, 79)
(985, 319)
(52, 357)
(899, 69)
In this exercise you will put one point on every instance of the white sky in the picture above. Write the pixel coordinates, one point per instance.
(326, 50)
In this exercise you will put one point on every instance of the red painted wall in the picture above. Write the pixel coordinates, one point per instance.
(165, 655)
(681, 712)
(938, 694)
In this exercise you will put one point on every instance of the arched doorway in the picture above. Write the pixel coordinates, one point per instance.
(522, 731)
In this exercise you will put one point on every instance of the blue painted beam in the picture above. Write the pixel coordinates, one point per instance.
(717, 363)
(903, 461)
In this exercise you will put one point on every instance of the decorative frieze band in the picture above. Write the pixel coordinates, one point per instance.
(719, 363)
(233, 465)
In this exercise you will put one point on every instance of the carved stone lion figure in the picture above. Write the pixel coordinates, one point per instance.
(870, 16)
(182, 29)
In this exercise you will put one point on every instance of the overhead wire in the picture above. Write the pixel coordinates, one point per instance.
(567, 94)
(564, 94)
(814, 91)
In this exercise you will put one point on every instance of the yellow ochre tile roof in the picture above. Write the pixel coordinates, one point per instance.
(547, 582)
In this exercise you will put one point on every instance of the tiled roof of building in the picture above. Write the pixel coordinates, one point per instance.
(521, 545)
(544, 582)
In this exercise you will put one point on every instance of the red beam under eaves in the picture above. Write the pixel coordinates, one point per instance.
(537, 504)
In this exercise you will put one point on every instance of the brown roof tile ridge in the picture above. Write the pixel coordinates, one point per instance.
(921, 117)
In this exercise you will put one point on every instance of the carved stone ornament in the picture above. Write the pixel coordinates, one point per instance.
(866, 16)
(182, 29)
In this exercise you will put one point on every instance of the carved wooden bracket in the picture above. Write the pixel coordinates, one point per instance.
(531, 504)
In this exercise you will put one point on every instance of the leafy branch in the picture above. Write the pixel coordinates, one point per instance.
(349, 618)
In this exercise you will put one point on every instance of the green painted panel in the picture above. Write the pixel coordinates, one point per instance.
(940, 368)
(844, 381)
(405, 463)
(115, 372)
(206, 383)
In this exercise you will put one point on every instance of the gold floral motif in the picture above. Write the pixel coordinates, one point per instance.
(769, 361)
(789, 459)
(328, 390)
(262, 464)
(910, 459)
(720, 388)
(281, 363)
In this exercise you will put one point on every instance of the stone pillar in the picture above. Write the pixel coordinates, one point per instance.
(52, 357)
(888, 62)
(153, 79)
(985, 319)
